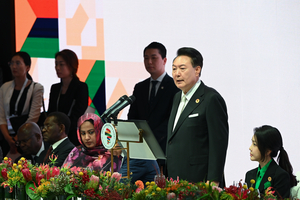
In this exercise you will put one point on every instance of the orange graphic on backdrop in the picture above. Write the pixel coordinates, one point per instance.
(84, 68)
(119, 90)
(25, 19)
(75, 26)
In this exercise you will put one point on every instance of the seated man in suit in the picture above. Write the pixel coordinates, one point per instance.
(30, 141)
(55, 132)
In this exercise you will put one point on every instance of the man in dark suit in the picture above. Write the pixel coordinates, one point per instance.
(55, 131)
(154, 98)
(198, 125)
(30, 141)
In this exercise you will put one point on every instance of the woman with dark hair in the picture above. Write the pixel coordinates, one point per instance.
(70, 96)
(266, 142)
(18, 97)
(91, 153)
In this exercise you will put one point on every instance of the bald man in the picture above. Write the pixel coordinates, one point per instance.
(30, 140)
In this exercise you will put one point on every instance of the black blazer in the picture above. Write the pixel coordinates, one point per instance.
(76, 96)
(279, 179)
(61, 151)
(157, 115)
(196, 149)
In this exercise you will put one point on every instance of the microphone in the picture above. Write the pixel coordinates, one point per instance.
(115, 105)
(121, 106)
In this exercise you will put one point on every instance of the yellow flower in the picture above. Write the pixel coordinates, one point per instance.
(14, 165)
(245, 186)
(158, 189)
(23, 159)
(152, 183)
(147, 183)
(20, 166)
(108, 173)
(251, 189)
(80, 173)
(252, 181)
(68, 173)
(19, 162)
(153, 193)
(146, 191)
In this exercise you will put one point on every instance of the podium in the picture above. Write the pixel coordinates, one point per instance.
(136, 139)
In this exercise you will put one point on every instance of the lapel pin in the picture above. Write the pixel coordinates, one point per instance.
(197, 101)
(269, 178)
(162, 87)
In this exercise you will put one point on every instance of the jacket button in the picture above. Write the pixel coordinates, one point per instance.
(170, 142)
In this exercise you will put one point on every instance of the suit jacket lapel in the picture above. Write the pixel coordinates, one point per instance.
(269, 175)
(160, 92)
(192, 105)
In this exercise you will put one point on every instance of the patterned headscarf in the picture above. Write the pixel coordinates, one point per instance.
(97, 125)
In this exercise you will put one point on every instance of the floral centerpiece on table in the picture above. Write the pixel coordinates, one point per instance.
(98, 185)
(40, 184)
(178, 189)
(15, 174)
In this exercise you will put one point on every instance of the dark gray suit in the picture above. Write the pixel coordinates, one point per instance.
(196, 149)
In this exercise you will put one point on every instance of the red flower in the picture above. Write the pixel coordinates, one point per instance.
(27, 175)
(39, 177)
(55, 172)
(4, 173)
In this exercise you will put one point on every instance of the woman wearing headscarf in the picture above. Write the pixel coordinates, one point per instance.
(91, 153)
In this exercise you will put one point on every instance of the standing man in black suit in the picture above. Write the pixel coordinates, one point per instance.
(198, 125)
(30, 140)
(154, 97)
(55, 132)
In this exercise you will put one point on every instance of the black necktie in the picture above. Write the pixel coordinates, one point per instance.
(152, 93)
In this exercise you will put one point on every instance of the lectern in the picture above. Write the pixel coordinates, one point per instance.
(136, 139)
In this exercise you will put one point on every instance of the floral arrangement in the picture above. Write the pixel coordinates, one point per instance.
(47, 181)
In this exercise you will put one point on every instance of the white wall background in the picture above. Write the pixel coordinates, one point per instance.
(251, 53)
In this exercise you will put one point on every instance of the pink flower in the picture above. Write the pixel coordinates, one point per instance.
(217, 188)
(94, 179)
(75, 169)
(138, 190)
(171, 195)
(27, 175)
(117, 176)
(100, 187)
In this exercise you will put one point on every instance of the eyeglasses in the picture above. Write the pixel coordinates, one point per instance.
(18, 63)
(19, 142)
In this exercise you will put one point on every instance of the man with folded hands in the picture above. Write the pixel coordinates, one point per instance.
(198, 124)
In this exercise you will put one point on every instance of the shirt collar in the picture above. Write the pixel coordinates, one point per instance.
(191, 92)
(41, 149)
(159, 79)
(58, 143)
